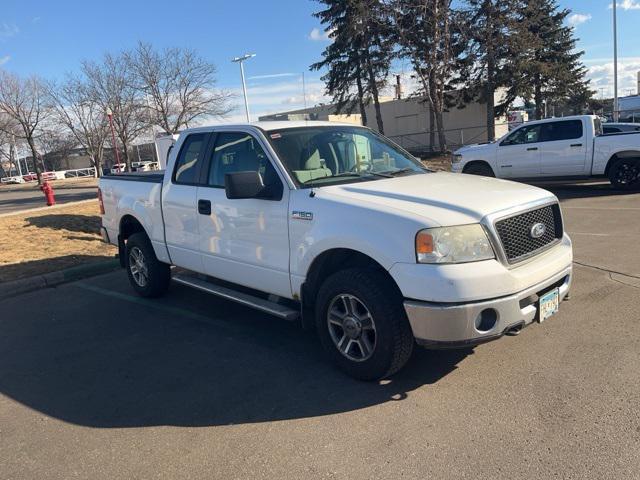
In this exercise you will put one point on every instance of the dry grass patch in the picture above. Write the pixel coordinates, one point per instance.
(441, 163)
(46, 241)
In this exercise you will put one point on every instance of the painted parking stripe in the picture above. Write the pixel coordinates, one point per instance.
(599, 208)
(149, 303)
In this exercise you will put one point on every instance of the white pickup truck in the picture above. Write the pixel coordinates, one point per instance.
(337, 227)
(556, 148)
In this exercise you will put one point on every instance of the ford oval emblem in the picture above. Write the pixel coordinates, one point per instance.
(538, 230)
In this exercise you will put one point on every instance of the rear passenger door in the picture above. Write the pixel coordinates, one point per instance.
(244, 241)
(564, 149)
(179, 206)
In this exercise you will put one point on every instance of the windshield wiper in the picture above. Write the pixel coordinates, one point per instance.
(393, 173)
(349, 174)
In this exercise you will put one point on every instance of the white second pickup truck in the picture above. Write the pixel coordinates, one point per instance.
(556, 148)
(336, 226)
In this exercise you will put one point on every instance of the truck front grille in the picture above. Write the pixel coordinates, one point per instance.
(520, 241)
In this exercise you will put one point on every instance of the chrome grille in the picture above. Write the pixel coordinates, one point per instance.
(516, 236)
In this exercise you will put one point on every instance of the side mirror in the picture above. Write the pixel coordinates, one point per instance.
(243, 185)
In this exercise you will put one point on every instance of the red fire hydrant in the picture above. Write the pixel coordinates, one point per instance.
(48, 193)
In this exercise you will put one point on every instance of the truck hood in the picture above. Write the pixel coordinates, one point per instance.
(476, 148)
(440, 199)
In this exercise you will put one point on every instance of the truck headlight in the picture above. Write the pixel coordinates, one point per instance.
(456, 158)
(464, 243)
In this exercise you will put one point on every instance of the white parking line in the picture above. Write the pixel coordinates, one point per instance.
(599, 208)
(592, 234)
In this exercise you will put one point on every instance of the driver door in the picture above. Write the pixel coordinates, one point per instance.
(245, 241)
(519, 154)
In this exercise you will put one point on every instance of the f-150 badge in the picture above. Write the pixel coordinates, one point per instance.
(298, 215)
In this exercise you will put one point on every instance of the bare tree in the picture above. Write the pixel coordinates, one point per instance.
(424, 32)
(55, 144)
(111, 85)
(25, 104)
(82, 115)
(6, 144)
(178, 86)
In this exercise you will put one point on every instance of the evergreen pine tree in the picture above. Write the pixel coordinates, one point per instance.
(487, 62)
(549, 67)
(359, 58)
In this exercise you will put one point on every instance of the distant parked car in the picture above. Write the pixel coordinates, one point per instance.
(30, 177)
(118, 168)
(145, 166)
(48, 176)
(12, 180)
(619, 127)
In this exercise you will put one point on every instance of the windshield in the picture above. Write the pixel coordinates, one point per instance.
(325, 155)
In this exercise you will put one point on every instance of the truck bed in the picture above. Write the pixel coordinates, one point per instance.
(155, 176)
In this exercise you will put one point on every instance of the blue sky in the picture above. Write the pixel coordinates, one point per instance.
(50, 38)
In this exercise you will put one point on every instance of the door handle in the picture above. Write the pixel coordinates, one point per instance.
(530, 149)
(204, 207)
(576, 144)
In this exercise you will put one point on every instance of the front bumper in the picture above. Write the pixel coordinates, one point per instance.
(453, 325)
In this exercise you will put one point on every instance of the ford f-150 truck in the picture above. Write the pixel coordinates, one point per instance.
(556, 148)
(336, 226)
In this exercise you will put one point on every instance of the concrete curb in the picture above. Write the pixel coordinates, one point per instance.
(54, 207)
(25, 285)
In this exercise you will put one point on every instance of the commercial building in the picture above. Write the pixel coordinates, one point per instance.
(406, 121)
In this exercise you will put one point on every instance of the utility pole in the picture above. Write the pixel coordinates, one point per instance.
(241, 61)
(615, 63)
(113, 138)
(304, 91)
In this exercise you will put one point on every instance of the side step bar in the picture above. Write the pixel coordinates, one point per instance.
(272, 308)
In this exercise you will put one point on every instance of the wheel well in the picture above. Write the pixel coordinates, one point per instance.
(477, 162)
(626, 154)
(128, 226)
(332, 261)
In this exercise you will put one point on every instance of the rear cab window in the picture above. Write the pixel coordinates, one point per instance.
(189, 161)
(562, 130)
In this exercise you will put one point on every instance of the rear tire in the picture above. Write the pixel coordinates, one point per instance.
(148, 276)
(481, 169)
(362, 324)
(625, 174)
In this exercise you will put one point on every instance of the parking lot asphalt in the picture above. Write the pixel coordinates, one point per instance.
(98, 383)
(15, 200)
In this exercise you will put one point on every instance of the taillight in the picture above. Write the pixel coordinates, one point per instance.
(100, 202)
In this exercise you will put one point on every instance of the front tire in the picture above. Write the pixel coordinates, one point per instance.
(148, 276)
(362, 324)
(625, 174)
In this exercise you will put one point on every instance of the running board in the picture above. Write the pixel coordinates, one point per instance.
(272, 308)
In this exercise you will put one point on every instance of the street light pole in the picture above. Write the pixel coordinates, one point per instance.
(241, 60)
(615, 63)
(113, 139)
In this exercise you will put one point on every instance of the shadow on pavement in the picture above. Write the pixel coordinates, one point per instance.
(64, 221)
(120, 361)
(583, 190)
(16, 271)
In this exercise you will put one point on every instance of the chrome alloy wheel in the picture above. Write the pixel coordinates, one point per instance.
(351, 327)
(138, 267)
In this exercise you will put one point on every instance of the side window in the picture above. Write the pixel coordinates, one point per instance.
(566, 130)
(240, 152)
(609, 130)
(523, 135)
(189, 159)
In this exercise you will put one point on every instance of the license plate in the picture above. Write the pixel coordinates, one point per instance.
(549, 304)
